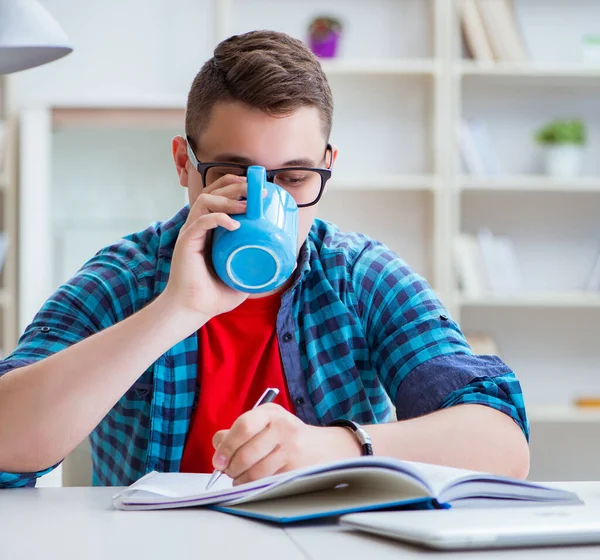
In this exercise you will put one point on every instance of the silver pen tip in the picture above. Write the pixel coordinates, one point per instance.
(215, 475)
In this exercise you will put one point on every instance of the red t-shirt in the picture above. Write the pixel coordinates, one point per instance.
(238, 358)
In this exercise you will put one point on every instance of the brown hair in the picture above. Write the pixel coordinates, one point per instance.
(266, 70)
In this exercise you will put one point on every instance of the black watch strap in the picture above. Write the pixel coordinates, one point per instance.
(362, 436)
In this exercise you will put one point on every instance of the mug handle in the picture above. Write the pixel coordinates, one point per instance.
(257, 178)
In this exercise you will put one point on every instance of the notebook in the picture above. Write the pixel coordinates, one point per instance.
(333, 489)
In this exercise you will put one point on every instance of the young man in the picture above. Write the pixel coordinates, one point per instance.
(149, 352)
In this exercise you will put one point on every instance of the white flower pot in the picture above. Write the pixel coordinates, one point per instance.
(564, 160)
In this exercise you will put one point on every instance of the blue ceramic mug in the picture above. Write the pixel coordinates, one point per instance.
(261, 254)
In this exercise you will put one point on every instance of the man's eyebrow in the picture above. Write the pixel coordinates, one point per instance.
(243, 160)
(233, 158)
(300, 162)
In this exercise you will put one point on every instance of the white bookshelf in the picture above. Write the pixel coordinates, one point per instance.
(384, 183)
(400, 88)
(540, 300)
(529, 183)
(364, 67)
(8, 225)
(526, 70)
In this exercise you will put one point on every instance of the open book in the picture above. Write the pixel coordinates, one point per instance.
(333, 489)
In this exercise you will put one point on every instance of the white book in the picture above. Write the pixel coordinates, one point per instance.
(3, 146)
(469, 151)
(333, 489)
(500, 23)
(512, 30)
(3, 249)
(487, 152)
(500, 263)
(474, 31)
(469, 266)
(593, 284)
(506, 254)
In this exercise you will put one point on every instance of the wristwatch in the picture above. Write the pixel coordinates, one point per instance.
(362, 436)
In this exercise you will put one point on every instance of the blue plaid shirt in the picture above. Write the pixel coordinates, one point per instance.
(358, 331)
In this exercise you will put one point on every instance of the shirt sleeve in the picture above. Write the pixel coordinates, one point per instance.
(98, 296)
(421, 356)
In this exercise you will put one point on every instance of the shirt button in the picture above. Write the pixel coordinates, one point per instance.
(444, 317)
(45, 329)
(287, 337)
(299, 401)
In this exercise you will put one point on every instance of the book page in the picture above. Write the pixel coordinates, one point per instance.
(441, 478)
(178, 485)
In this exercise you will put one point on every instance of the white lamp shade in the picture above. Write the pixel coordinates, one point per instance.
(29, 36)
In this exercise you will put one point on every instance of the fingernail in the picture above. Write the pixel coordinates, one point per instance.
(220, 462)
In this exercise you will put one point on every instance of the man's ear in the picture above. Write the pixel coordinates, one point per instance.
(180, 157)
(333, 157)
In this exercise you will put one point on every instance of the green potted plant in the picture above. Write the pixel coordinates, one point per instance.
(563, 141)
(324, 36)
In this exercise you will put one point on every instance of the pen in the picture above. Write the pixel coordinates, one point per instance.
(267, 397)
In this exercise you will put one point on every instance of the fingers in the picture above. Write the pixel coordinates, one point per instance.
(210, 203)
(200, 207)
(234, 191)
(216, 203)
(251, 453)
(226, 180)
(219, 437)
(246, 427)
(197, 230)
(273, 463)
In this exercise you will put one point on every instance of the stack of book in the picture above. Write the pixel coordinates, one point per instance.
(487, 264)
(490, 30)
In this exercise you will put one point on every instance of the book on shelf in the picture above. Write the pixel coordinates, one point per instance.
(333, 489)
(500, 263)
(478, 153)
(3, 248)
(593, 284)
(486, 263)
(3, 146)
(469, 266)
(500, 22)
(473, 30)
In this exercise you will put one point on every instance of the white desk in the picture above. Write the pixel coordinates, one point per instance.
(80, 523)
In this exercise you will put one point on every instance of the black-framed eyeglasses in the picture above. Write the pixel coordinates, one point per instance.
(305, 184)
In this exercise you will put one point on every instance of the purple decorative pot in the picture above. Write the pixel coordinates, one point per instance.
(325, 47)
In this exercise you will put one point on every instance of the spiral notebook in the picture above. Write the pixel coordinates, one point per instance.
(333, 489)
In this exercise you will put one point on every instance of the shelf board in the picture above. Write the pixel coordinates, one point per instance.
(399, 66)
(529, 183)
(385, 183)
(117, 116)
(563, 414)
(526, 69)
(542, 300)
